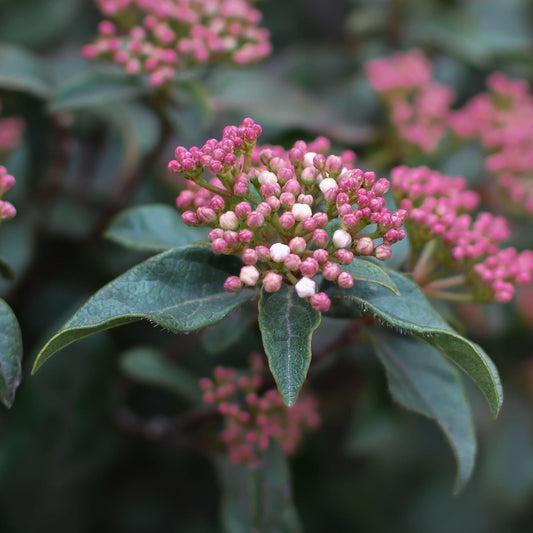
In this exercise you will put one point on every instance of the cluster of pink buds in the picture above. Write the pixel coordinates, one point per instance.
(11, 130)
(290, 215)
(418, 105)
(451, 241)
(252, 417)
(160, 37)
(7, 181)
(502, 120)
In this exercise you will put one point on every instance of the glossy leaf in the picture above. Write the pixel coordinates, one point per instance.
(411, 312)
(181, 289)
(287, 323)
(21, 70)
(153, 228)
(370, 272)
(259, 498)
(95, 87)
(422, 380)
(147, 365)
(10, 354)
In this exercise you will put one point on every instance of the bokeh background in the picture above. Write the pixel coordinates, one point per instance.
(88, 447)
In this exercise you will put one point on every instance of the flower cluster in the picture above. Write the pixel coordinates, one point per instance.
(253, 418)
(291, 215)
(11, 130)
(502, 120)
(7, 181)
(159, 37)
(418, 105)
(453, 241)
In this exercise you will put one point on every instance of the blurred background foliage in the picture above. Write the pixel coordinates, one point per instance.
(98, 440)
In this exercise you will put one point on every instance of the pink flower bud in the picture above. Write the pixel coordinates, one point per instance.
(344, 209)
(273, 202)
(245, 236)
(292, 262)
(343, 256)
(184, 200)
(206, 215)
(263, 253)
(286, 220)
(279, 252)
(249, 256)
(305, 288)
(383, 252)
(320, 237)
(255, 219)
(287, 199)
(321, 302)
(219, 246)
(249, 275)
(285, 175)
(321, 219)
(334, 165)
(365, 246)
(331, 271)
(232, 284)
(189, 218)
(232, 238)
(217, 203)
(345, 280)
(7, 210)
(321, 255)
(263, 208)
(309, 175)
(240, 189)
(309, 224)
(266, 176)
(216, 233)
(297, 245)
(292, 186)
(327, 184)
(301, 211)
(242, 209)
(309, 267)
(272, 282)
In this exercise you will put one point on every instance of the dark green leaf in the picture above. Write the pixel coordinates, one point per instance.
(10, 354)
(287, 323)
(421, 380)
(152, 227)
(147, 365)
(411, 312)
(225, 334)
(21, 70)
(370, 272)
(258, 499)
(181, 289)
(96, 87)
(5, 270)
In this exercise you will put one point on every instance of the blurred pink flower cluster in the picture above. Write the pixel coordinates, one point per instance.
(502, 120)
(452, 241)
(11, 130)
(253, 417)
(7, 182)
(274, 207)
(160, 37)
(418, 105)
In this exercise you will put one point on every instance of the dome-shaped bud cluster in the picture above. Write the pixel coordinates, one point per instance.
(418, 105)
(160, 37)
(502, 120)
(291, 215)
(7, 181)
(439, 210)
(253, 417)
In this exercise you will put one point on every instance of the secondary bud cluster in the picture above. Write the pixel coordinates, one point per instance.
(418, 105)
(502, 120)
(452, 240)
(292, 216)
(7, 181)
(159, 37)
(252, 418)
(11, 130)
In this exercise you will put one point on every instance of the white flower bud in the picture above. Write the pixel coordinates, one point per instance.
(279, 252)
(267, 177)
(308, 159)
(249, 275)
(327, 184)
(305, 288)
(342, 239)
(228, 220)
(301, 211)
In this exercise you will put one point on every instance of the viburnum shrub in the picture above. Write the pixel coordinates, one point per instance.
(298, 234)
(161, 37)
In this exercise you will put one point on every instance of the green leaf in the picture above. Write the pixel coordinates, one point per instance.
(421, 380)
(225, 334)
(411, 312)
(10, 354)
(147, 365)
(369, 272)
(152, 227)
(5, 270)
(259, 498)
(181, 290)
(287, 323)
(21, 70)
(96, 87)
